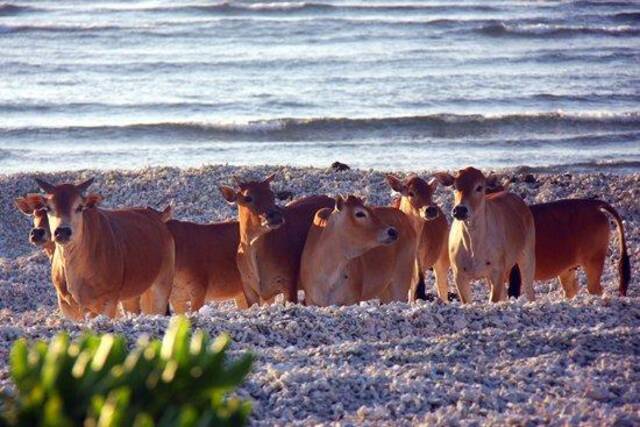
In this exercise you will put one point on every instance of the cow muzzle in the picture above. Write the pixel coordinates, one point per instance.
(389, 236)
(430, 213)
(62, 235)
(460, 212)
(37, 236)
(273, 220)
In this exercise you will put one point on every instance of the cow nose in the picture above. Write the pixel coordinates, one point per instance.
(62, 234)
(37, 234)
(274, 217)
(392, 233)
(431, 212)
(460, 212)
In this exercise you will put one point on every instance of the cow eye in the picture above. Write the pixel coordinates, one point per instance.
(79, 208)
(360, 214)
(248, 199)
(479, 188)
(411, 194)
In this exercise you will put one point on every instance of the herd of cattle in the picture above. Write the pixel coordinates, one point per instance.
(338, 251)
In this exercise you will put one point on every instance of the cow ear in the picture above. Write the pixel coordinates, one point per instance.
(339, 202)
(270, 178)
(45, 186)
(228, 193)
(444, 178)
(92, 200)
(433, 184)
(23, 206)
(395, 183)
(85, 185)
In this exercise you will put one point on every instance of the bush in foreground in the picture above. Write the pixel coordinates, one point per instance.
(182, 380)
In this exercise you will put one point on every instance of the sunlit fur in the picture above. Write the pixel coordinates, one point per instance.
(497, 233)
(416, 199)
(351, 255)
(110, 255)
(269, 251)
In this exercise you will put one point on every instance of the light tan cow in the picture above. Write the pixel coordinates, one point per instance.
(271, 239)
(355, 253)
(33, 206)
(430, 225)
(490, 234)
(206, 267)
(109, 255)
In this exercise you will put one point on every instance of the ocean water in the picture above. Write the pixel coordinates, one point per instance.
(394, 85)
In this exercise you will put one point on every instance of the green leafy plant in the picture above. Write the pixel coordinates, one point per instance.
(183, 380)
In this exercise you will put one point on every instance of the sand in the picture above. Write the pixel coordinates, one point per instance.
(548, 362)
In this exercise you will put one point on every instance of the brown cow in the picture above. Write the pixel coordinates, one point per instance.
(33, 205)
(271, 239)
(429, 223)
(355, 253)
(572, 233)
(109, 255)
(489, 236)
(206, 267)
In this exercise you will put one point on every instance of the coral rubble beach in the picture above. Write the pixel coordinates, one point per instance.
(549, 362)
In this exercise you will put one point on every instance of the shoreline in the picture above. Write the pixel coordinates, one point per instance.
(549, 361)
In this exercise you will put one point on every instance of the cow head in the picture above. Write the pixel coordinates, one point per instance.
(33, 205)
(418, 193)
(65, 205)
(256, 200)
(360, 228)
(470, 187)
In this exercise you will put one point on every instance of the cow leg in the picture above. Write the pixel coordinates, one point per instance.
(527, 264)
(464, 288)
(250, 295)
(496, 281)
(569, 282)
(198, 296)
(131, 305)
(241, 301)
(70, 310)
(593, 268)
(441, 272)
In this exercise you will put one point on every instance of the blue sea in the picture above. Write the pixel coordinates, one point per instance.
(392, 85)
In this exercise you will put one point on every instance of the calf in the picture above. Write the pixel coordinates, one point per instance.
(109, 255)
(206, 267)
(430, 225)
(572, 233)
(489, 236)
(355, 253)
(271, 239)
(33, 205)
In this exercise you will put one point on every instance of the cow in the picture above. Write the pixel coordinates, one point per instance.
(574, 233)
(33, 206)
(356, 252)
(271, 238)
(109, 255)
(490, 234)
(430, 225)
(206, 267)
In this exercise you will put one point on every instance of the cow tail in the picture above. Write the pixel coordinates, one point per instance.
(624, 265)
(515, 282)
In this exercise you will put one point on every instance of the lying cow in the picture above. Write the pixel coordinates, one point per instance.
(271, 239)
(355, 253)
(33, 206)
(109, 255)
(430, 225)
(206, 268)
(489, 236)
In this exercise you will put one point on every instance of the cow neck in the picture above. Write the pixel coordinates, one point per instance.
(474, 231)
(332, 255)
(250, 227)
(412, 214)
(86, 247)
